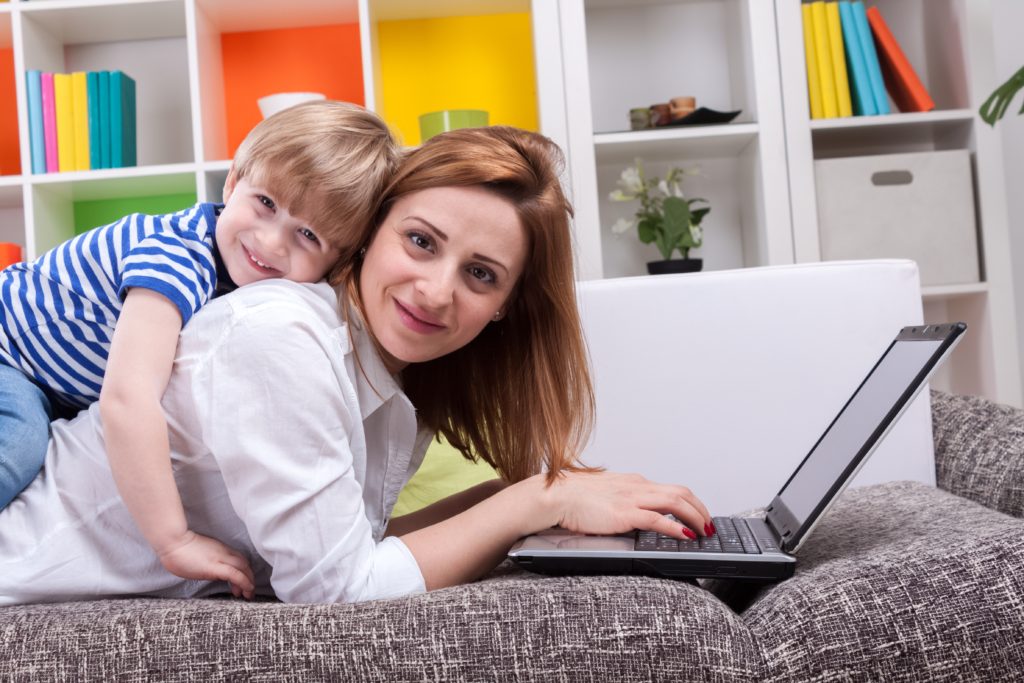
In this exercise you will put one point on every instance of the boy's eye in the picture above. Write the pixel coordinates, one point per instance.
(482, 274)
(309, 235)
(266, 201)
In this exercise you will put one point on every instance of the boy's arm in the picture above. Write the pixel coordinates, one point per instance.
(138, 368)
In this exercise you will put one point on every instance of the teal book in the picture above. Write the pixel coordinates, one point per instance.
(130, 154)
(37, 141)
(874, 68)
(122, 120)
(103, 81)
(92, 94)
(860, 84)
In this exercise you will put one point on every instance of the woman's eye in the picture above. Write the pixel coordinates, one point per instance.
(266, 201)
(420, 240)
(309, 235)
(482, 274)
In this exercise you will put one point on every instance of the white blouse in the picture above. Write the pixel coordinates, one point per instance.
(286, 444)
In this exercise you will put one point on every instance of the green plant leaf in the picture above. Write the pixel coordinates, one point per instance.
(994, 108)
(676, 223)
(697, 215)
(647, 230)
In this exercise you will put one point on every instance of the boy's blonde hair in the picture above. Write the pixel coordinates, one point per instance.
(326, 161)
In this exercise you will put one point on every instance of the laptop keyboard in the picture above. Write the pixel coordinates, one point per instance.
(732, 536)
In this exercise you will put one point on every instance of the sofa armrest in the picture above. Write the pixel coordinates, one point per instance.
(979, 450)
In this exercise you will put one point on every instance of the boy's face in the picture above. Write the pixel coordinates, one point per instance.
(258, 239)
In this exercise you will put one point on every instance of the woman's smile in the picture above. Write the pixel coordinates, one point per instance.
(418, 320)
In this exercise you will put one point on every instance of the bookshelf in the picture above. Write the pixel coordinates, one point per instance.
(949, 43)
(570, 68)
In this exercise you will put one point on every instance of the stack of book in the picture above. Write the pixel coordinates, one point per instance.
(853, 60)
(81, 121)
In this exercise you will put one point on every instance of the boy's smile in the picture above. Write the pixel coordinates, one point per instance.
(259, 240)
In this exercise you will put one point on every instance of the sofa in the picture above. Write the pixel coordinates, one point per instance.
(900, 582)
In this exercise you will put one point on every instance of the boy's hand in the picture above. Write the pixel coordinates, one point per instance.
(207, 559)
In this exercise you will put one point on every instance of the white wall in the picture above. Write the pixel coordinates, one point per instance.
(1008, 16)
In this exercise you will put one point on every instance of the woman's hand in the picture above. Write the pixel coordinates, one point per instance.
(612, 503)
(207, 559)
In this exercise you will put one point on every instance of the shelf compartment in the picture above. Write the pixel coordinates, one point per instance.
(145, 40)
(705, 142)
(730, 229)
(643, 54)
(250, 49)
(72, 202)
(480, 57)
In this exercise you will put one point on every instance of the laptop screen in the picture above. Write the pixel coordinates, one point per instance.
(862, 421)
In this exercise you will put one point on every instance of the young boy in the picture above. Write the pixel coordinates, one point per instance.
(98, 317)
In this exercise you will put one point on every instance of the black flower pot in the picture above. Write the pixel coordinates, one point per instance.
(675, 265)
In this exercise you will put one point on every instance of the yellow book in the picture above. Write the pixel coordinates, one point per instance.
(62, 103)
(813, 79)
(830, 104)
(835, 41)
(80, 114)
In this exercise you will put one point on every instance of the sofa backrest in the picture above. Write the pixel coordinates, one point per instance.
(733, 375)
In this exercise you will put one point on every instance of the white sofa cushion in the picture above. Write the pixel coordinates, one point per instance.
(733, 375)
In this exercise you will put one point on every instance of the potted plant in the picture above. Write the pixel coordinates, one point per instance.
(665, 217)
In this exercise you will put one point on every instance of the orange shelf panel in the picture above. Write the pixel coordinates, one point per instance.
(10, 155)
(315, 59)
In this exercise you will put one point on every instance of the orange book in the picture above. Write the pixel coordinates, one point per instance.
(901, 80)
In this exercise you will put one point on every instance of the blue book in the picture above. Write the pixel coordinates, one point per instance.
(867, 45)
(860, 84)
(92, 93)
(129, 122)
(104, 127)
(37, 142)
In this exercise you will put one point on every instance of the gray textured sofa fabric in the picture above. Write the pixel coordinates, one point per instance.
(901, 582)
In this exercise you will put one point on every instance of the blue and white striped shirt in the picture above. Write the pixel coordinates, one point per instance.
(58, 312)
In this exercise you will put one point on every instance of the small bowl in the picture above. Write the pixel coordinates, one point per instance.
(271, 104)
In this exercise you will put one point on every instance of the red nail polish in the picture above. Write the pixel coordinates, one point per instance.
(707, 529)
(689, 534)
(713, 529)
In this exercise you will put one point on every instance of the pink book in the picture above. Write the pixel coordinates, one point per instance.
(49, 122)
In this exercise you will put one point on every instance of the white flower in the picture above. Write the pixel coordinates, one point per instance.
(663, 188)
(623, 225)
(631, 183)
(697, 233)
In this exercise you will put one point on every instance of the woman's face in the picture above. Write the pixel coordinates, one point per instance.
(442, 264)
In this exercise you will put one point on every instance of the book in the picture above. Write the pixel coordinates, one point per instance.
(103, 79)
(811, 57)
(37, 144)
(64, 107)
(862, 101)
(92, 84)
(835, 42)
(867, 46)
(49, 121)
(80, 119)
(902, 82)
(122, 120)
(826, 74)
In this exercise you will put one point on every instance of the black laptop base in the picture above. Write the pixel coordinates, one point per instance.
(665, 568)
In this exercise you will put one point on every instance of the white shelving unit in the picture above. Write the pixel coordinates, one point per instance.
(949, 42)
(595, 60)
(619, 54)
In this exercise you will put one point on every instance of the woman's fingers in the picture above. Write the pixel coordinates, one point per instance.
(680, 502)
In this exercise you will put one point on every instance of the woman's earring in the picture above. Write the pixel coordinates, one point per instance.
(497, 316)
(362, 252)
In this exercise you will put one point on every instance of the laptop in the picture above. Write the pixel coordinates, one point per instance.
(752, 547)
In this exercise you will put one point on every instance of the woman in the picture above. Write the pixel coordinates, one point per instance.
(291, 436)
